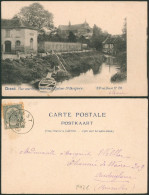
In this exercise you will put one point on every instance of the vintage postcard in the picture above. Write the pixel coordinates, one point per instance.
(77, 146)
(74, 48)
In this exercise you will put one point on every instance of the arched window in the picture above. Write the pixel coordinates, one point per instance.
(18, 43)
(31, 43)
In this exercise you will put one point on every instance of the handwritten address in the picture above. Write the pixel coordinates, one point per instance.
(113, 169)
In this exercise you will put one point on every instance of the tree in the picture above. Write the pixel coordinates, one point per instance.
(72, 37)
(124, 30)
(98, 37)
(96, 31)
(96, 40)
(121, 47)
(35, 15)
(121, 40)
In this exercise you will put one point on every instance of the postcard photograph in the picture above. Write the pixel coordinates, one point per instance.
(73, 48)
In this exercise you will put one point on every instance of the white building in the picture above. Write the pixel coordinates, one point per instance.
(18, 36)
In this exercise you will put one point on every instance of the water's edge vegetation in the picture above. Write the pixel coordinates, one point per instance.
(27, 70)
(122, 74)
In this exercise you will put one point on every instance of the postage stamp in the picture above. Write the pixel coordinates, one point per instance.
(17, 118)
(7, 112)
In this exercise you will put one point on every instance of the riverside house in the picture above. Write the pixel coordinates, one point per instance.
(17, 36)
(109, 45)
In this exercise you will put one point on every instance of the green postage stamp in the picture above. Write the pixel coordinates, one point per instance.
(13, 116)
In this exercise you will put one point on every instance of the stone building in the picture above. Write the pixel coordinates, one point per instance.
(17, 37)
(77, 29)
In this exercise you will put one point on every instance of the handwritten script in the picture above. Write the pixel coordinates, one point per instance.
(113, 170)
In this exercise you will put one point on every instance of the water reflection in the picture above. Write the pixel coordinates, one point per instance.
(111, 60)
(98, 74)
(96, 69)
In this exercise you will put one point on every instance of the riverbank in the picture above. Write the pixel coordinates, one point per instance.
(26, 70)
(122, 74)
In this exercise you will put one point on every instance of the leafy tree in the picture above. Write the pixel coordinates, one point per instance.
(98, 37)
(82, 39)
(96, 31)
(120, 45)
(121, 40)
(56, 38)
(51, 37)
(35, 15)
(124, 30)
(72, 37)
(121, 48)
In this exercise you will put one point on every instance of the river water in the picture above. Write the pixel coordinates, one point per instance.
(97, 74)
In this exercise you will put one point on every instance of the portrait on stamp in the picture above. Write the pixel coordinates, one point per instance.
(17, 119)
(8, 113)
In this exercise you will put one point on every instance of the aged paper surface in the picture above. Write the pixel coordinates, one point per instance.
(83, 48)
(76, 146)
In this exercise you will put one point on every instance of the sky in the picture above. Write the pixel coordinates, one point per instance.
(107, 15)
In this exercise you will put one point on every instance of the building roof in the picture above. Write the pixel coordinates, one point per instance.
(74, 27)
(111, 40)
(15, 23)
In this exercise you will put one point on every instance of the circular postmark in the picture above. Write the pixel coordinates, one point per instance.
(21, 121)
